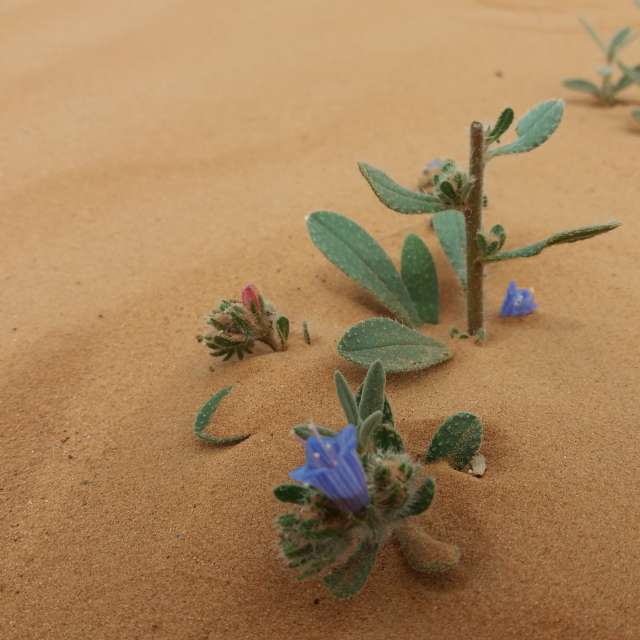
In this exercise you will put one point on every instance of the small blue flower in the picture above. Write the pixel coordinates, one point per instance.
(334, 467)
(518, 302)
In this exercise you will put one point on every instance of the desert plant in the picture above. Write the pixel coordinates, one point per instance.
(238, 324)
(456, 203)
(359, 487)
(609, 88)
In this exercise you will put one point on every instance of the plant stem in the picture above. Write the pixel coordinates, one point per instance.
(473, 224)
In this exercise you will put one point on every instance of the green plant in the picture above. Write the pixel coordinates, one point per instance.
(609, 88)
(359, 487)
(456, 203)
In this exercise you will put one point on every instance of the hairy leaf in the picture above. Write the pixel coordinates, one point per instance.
(424, 553)
(348, 246)
(420, 277)
(620, 39)
(577, 84)
(372, 394)
(592, 32)
(304, 431)
(422, 498)
(501, 126)
(564, 237)
(534, 128)
(294, 493)
(457, 440)
(396, 346)
(347, 400)
(450, 229)
(204, 416)
(368, 428)
(395, 196)
(349, 578)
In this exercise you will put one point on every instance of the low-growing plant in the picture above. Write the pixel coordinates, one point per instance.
(609, 87)
(359, 487)
(238, 324)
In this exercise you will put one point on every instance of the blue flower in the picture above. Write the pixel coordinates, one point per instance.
(334, 467)
(518, 302)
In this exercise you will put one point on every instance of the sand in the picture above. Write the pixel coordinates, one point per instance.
(157, 156)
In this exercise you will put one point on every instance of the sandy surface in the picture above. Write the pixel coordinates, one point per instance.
(156, 156)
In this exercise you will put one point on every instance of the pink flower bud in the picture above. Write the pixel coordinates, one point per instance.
(251, 299)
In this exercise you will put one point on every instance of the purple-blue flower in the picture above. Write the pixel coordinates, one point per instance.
(333, 467)
(518, 302)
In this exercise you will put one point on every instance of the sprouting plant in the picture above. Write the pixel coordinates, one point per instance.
(609, 87)
(238, 324)
(457, 202)
(359, 486)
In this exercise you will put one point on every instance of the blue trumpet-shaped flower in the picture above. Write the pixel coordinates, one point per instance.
(518, 302)
(333, 467)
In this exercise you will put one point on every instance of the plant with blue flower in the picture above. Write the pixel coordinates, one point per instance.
(456, 199)
(517, 301)
(359, 486)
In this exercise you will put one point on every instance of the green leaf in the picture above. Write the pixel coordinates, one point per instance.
(372, 394)
(631, 75)
(422, 498)
(350, 248)
(304, 431)
(367, 429)
(636, 114)
(564, 237)
(420, 277)
(534, 128)
(305, 332)
(501, 126)
(349, 578)
(592, 32)
(396, 346)
(584, 86)
(450, 229)
(457, 440)
(204, 416)
(347, 399)
(621, 38)
(282, 326)
(396, 197)
(292, 493)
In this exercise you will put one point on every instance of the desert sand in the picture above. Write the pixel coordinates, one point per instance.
(157, 156)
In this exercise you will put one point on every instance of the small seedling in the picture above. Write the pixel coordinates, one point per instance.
(456, 203)
(359, 487)
(204, 418)
(305, 332)
(238, 324)
(609, 88)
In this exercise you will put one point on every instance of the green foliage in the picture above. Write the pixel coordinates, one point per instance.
(395, 196)
(293, 493)
(385, 437)
(422, 498)
(457, 440)
(607, 91)
(204, 417)
(282, 327)
(450, 229)
(563, 237)
(350, 248)
(504, 121)
(347, 400)
(348, 579)
(304, 431)
(493, 242)
(533, 129)
(305, 332)
(420, 278)
(372, 397)
(396, 346)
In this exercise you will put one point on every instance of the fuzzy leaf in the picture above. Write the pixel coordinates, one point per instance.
(631, 75)
(420, 277)
(282, 326)
(396, 346)
(534, 128)
(422, 498)
(395, 196)
(564, 237)
(349, 578)
(204, 416)
(450, 229)
(577, 84)
(457, 440)
(304, 431)
(294, 493)
(620, 39)
(504, 121)
(372, 393)
(347, 400)
(348, 246)
(592, 32)
(368, 428)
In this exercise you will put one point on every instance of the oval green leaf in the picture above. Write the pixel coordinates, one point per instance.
(420, 277)
(398, 348)
(457, 440)
(450, 229)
